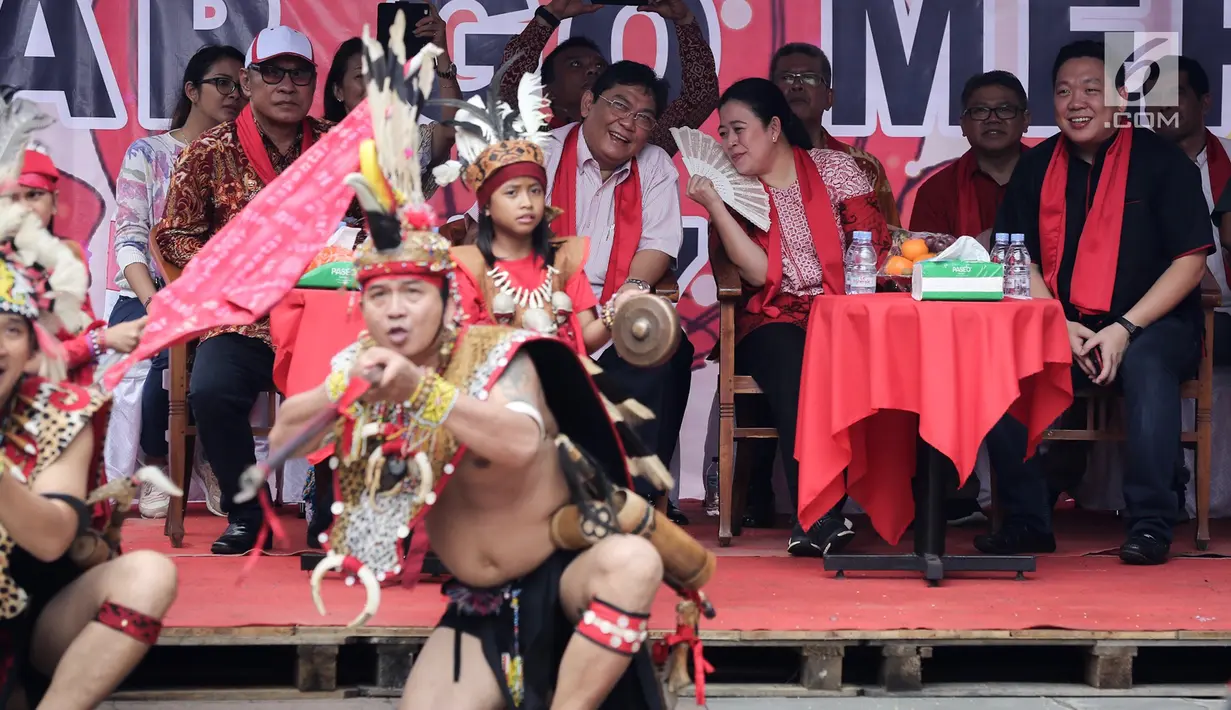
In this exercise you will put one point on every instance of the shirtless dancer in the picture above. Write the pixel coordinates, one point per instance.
(75, 617)
(494, 412)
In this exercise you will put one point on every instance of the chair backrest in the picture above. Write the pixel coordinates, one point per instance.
(170, 272)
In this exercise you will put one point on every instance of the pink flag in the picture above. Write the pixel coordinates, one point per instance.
(241, 273)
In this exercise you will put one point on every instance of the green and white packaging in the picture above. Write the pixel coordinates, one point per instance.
(334, 275)
(936, 280)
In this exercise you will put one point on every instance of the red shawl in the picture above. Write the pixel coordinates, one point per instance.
(1094, 271)
(825, 238)
(627, 213)
(254, 147)
(969, 215)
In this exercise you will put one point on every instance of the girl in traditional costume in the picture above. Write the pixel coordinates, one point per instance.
(517, 272)
(818, 198)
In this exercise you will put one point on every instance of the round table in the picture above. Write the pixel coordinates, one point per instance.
(882, 369)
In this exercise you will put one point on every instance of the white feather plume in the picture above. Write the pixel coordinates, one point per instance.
(469, 146)
(447, 172)
(530, 108)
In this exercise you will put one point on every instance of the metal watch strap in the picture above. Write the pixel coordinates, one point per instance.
(638, 283)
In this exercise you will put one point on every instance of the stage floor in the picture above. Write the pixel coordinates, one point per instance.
(1082, 592)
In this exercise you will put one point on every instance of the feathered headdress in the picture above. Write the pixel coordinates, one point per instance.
(389, 187)
(493, 136)
(41, 277)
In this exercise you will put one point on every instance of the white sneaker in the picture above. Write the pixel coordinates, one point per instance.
(154, 502)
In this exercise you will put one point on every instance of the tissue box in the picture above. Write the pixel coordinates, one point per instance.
(337, 274)
(935, 280)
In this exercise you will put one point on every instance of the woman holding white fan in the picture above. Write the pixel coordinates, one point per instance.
(786, 255)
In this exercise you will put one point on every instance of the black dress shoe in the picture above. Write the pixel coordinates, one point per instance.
(675, 515)
(1015, 540)
(238, 538)
(827, 536)
(1144, 549)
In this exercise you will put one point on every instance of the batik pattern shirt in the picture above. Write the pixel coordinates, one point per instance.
(698, 78)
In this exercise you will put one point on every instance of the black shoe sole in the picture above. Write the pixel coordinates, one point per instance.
(1136, 557)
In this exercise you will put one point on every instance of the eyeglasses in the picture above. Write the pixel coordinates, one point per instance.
(982, 113)
(225, 86)
(641, 119)
(807, 78)
(272, 75)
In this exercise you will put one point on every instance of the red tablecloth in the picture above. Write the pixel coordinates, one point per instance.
(308, 328)
(879, 368)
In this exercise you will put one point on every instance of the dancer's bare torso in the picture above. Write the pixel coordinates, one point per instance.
(490, 524)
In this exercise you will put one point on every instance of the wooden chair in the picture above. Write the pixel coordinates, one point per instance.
(1103, 424)
(734, 470)
(181, 434)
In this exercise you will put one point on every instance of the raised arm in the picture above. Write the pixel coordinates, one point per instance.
(527, 47)
(46, 527)
(184, 227)
(698, 83)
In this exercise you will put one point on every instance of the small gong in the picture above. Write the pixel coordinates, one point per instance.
(646, 332)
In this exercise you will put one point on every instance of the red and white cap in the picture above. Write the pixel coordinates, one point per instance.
(278, 41)
(37, 170)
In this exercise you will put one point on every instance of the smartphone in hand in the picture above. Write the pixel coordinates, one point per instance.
(387, 12)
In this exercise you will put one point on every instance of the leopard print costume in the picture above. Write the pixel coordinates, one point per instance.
(43, 419)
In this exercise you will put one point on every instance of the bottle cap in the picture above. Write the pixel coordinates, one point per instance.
(863, 236)
(1002, 236)
(1018, 237)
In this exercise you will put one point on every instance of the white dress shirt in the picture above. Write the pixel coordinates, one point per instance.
(1215, 260)
(662, 229)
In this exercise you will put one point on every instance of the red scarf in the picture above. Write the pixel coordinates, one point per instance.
(825, 238)
(969, 211)
(627, 213)
(1094, 270)
(1219, 167)
(254, 147)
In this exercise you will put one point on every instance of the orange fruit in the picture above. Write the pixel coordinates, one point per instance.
(925, 257)
(899, 266)
(914, 249)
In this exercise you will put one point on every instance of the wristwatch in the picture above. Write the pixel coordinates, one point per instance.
(1133, 330)
(641, 285)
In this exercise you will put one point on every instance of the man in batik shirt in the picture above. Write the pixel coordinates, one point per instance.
(804, 74)
(570, 70)
(217, 176)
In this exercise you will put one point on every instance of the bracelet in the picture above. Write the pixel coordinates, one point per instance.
(549, 18)
(608, 314)
(447, 75)
(95, 342)
(641, 285)
(335, 385)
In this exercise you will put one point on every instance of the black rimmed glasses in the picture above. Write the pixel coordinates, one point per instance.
(225, 86)
(273, 75)
(641, 119)
(982, 113)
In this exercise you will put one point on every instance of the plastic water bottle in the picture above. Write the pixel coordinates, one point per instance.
(1000, 248)
(1017, 269)
(860, 265)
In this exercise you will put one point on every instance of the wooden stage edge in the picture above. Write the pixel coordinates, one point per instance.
(339, 635)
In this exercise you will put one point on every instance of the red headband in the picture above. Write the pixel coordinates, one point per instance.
(510, 172)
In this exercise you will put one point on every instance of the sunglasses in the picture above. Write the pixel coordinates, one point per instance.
(273, 75)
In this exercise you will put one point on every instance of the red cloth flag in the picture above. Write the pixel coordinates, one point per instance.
(251, 263)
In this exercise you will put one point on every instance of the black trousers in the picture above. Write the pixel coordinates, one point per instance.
(228, 374)
(1154, 366)
(773, 355)
(664, 390)
(1222, 338)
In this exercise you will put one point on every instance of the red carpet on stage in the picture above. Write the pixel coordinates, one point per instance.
(758, 588)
